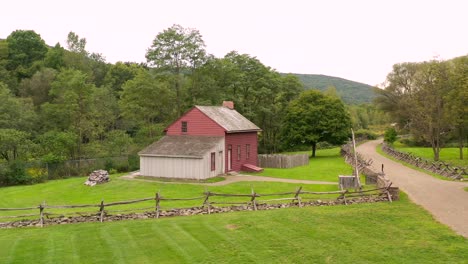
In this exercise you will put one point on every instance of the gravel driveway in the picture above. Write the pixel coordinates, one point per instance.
(445, 200)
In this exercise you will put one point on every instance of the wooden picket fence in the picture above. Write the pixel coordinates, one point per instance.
(253, 199)
(282, 161)
(438, 167)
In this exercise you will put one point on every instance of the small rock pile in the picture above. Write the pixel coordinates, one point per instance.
(97, 177)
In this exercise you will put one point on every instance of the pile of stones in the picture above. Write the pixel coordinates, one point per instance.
(97, 177)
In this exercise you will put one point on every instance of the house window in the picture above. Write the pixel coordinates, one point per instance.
(247, 151)
(184, 126)
(213, 161)
(238, 152)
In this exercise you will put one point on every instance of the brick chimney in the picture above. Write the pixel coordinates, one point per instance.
(228, 104)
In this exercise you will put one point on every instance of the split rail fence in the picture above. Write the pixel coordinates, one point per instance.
(254, 200)
(438, 167)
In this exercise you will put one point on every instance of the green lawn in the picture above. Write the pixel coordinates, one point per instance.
(398, 232)
(326, 166)
(72, 191)
(450, 155)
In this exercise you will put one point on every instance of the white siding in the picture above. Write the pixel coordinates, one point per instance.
(183, 168)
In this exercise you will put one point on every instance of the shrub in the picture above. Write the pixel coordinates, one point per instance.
(37, 174)
(390, 135)
(133, 162)
(16, 175)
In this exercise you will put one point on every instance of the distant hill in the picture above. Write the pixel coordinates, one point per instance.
(351, 92)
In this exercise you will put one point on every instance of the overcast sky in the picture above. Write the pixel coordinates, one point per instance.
(356, 40)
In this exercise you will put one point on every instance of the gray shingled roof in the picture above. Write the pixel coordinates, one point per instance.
(181, 146)
(229, 119)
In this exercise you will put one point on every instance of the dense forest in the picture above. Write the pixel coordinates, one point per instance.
(65, 103)
(351, 92)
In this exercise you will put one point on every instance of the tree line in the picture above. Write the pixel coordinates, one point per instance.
(66, 103)
(430, 100)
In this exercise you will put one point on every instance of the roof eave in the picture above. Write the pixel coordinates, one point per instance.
(244, 131)
(170, 156)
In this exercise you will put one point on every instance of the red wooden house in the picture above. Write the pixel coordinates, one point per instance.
(204, 142)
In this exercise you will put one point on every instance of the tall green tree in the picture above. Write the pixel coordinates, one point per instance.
(314, 118)
(72, 106)
(457, 100)
(177, 50)
(38, 86)
(14, 144)
(24, 48)
(16, 113)
(414, 97)
(145, 101)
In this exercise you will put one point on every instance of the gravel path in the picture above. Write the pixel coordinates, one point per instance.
(236, 178)
(445, 200)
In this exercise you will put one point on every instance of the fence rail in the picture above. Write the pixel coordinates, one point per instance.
(253, 199)
(282, 161)
(438, 167)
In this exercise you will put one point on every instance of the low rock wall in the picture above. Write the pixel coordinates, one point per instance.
(186, 212)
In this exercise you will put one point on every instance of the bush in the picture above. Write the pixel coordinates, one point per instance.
(133, 162)
(16, 174)
(37, 174)
(109, 164)
(390, 135)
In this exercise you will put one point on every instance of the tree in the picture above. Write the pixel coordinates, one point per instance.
(16, 113)
(390, 135)
(76, 44)
(13, 144)
(415, 95)
(146, 100)
(57, 146)
(55, 57)
(72, 106)
(118, 142)
(457, 98)
(313, 118)
(177, 50)
(25, 47)
(119, 73)
(37, 87)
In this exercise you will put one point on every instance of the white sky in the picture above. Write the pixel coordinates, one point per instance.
(355, 39)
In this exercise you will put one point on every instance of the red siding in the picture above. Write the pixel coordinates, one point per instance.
(242, 139)
(198, 124)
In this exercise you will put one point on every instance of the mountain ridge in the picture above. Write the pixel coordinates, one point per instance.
(351, 92)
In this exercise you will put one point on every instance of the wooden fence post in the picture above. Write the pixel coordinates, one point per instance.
(101, 210)
(158, 197)
(343, 196)
(206, 202)
(388, 192)
(296, 196)
(253, 199)
(41, 214)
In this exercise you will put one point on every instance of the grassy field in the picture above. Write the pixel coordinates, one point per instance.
(72, 191)
(398, 232)
(450, 155)
(326, 166)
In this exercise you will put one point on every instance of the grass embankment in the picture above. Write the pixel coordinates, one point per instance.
(449, 155)
(398, 232)
(326, 166)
